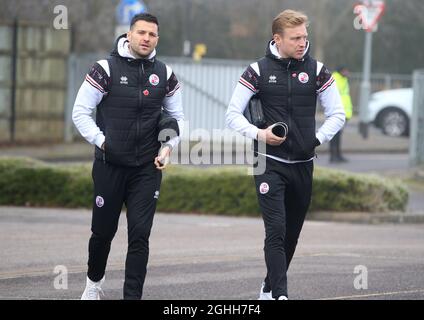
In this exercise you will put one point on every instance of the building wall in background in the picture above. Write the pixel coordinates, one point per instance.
(32, 103)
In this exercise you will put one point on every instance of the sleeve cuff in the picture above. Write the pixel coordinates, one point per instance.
(173, 142)
(100, 139)
(317, 142)
(253, 133)
(320, 137)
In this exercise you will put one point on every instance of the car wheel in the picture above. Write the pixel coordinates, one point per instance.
(394, 123)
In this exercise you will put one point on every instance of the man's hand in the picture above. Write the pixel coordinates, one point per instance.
(103, 146)
(162, 160)
(268, 137)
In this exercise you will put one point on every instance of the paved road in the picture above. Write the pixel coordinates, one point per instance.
(210, 257)
(385, 164)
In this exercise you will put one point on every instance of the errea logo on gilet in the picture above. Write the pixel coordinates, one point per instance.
(272, 79)
(124, 80)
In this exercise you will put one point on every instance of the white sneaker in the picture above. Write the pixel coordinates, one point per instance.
(92, 290)
(282, 298)
(265, 295)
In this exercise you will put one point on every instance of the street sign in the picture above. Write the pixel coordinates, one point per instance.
(128, 9)
(369, 13)
(125, 11)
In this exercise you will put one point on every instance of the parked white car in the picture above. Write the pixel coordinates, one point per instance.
(391, 110)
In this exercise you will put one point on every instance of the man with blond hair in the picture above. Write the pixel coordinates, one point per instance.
(288, 82)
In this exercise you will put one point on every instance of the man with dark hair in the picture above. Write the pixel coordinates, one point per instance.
(147, 17)
(128, 91)
(288, 82)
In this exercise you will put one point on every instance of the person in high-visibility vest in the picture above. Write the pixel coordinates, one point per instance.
(342, 82)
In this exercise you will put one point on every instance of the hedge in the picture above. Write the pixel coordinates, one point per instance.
(217, 190)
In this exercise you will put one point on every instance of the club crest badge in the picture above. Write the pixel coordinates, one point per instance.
(264, 188)
(303, 77)
(100, 201)
(154, 79)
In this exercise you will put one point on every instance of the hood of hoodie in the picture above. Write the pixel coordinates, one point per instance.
(122, 50)
(272, 52)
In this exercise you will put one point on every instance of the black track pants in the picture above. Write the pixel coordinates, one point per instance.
(284, 194)
(138, 188)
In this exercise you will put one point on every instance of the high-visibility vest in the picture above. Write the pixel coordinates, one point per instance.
(343, 87)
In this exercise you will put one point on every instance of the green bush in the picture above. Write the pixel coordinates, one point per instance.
(213, 190)
(27, 182)
(336, 190)
(223, 190)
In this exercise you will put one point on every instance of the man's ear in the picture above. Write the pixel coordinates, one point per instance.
(277, 38)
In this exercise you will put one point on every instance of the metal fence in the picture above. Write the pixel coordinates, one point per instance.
(33, 65)
(207, 87)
